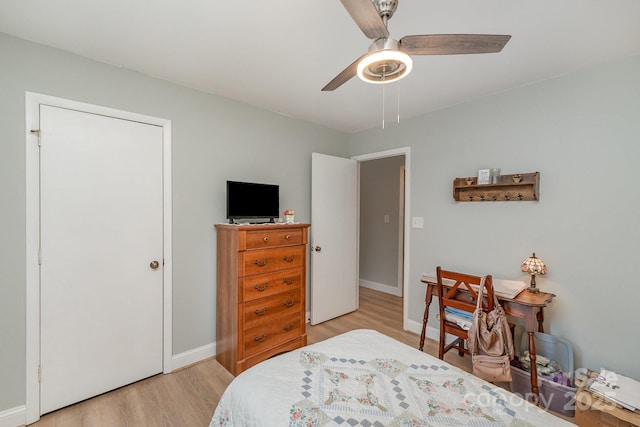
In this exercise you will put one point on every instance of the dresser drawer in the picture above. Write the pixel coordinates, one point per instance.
(266, 260)
(273, 238)
(267, 284)
(271, 333)
(250, 361)
(268, 308)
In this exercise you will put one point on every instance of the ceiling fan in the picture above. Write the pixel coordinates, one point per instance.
(388, 59)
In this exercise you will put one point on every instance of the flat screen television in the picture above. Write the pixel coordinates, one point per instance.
(251, 200)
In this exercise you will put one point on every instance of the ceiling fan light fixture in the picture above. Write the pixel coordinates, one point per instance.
(384, 66)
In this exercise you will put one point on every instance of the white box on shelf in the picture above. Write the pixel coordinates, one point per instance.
(484, 176)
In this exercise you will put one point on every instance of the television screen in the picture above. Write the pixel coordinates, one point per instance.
(252, 200)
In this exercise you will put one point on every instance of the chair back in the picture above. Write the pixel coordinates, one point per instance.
(460, 291)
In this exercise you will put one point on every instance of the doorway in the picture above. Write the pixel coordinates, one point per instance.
(381, 224)
(96, 179)
(390, 218)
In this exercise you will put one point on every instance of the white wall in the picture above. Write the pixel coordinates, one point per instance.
(214, 139)
(582, 133)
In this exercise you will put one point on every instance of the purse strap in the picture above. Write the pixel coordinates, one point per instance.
(472, 340)
(480, 293)
(496, 303)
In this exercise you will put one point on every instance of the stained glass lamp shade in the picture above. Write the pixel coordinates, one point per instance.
(533, 266)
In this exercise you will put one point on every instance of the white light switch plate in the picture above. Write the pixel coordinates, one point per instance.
(417, 222)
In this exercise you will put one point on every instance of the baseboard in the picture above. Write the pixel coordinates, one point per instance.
(13, 417)
(416, 327)
(387, 289)
(432, 331)
(192, 356)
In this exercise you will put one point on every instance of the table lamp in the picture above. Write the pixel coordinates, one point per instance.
(534, 266)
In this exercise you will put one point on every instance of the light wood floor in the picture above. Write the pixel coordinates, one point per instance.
(188, 397)
(382, 312)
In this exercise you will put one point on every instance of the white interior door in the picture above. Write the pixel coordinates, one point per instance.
(334, 237)
(101, 228)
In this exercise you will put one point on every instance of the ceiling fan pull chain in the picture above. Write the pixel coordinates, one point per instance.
(383, 100)
(398, 117)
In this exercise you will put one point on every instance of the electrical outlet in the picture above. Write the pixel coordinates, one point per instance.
(386, 218)
(417, 222)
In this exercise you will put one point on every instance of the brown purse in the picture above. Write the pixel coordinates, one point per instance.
(490, 341)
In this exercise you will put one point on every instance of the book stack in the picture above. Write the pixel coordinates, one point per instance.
(617, 388)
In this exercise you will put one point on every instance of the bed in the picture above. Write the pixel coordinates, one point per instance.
(364, 378)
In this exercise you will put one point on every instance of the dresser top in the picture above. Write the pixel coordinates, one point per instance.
(262, 227)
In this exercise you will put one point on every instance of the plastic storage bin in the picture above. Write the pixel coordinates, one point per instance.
(554, 396)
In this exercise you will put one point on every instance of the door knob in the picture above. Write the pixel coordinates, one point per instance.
(154, 265)
(317, 249)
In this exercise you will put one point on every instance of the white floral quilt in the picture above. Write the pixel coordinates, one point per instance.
(364, 378)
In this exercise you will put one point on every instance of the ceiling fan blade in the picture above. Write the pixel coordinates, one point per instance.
(452, 44)
(344, 76)
(365, 14)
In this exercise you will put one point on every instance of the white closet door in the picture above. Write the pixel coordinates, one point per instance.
(101, 230)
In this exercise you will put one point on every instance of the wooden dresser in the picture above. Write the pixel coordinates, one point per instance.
(261, 274)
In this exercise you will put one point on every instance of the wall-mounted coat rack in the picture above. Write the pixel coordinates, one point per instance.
(509, 188)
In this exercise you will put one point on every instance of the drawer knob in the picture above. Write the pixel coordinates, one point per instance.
(266, 239)
(261, 288)
(260, 339)
(260, 312)
(289, 303)
(288, 328)
(289, 258)
(260, 263)
(289, 281)
(288, 237)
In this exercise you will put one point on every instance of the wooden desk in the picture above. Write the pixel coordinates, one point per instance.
(526, 305)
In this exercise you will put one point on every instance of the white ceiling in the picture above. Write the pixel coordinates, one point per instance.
(278, 54)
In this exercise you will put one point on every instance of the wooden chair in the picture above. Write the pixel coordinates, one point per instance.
(460, 294)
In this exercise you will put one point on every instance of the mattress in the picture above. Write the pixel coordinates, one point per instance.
(365, 378)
